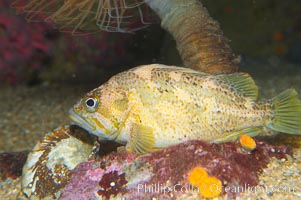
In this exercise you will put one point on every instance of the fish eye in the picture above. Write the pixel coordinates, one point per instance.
(91, 104)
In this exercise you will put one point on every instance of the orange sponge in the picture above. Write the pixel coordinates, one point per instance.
(247, 142)
(209, 187)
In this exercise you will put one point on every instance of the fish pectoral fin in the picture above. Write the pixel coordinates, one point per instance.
(252, 132)
(142, 139)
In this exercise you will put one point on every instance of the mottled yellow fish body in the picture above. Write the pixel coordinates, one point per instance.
(180, 104)
(154, 106)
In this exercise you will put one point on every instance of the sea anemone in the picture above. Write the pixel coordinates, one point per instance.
(86, 15)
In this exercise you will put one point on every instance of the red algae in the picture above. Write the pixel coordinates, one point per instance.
(112, 183)
(224, 161)
(11, 164)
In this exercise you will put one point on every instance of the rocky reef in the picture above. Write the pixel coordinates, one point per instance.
(193, 169)
(168, 173)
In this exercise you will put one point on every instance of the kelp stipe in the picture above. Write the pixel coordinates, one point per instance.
(199, 38)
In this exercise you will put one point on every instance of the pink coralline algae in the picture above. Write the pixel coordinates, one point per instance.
(23, 47)
(164, 174)
(103, 178)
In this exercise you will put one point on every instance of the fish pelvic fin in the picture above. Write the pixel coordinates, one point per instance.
(286, 113)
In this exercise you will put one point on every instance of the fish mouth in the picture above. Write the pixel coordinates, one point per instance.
(80, 121)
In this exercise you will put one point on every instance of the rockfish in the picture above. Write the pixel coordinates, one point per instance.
(154, 106)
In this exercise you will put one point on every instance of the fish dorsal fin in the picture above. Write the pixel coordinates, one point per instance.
(242, 83)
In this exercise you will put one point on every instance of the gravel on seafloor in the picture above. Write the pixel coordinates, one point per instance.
(280, 180)
(11, 190)
(27, 113)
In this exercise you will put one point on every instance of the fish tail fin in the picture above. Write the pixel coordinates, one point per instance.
(286, 116)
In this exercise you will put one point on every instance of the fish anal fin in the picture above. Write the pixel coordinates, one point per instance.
(142, 139)
(242, 83)
(252, 132)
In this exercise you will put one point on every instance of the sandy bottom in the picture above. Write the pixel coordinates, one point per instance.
(27, 113)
